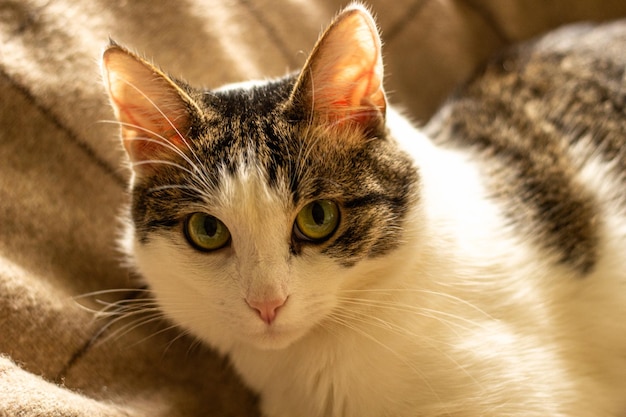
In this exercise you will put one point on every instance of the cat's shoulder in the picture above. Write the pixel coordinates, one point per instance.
(544, 120)
(554, 67)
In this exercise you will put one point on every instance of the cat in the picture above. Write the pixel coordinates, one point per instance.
(350, 264)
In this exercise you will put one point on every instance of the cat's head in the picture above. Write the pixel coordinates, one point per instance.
(255, 206)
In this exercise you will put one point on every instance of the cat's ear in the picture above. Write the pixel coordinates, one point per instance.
(342, 80)
(154, 112)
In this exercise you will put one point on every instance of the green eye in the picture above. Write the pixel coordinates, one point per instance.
(205, 232)
(317, 221)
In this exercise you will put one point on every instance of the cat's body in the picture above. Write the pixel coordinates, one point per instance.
(476, 269)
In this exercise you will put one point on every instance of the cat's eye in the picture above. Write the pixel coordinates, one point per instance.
(317, 221)
(206, 232)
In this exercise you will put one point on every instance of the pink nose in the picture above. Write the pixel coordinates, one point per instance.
(267, 309)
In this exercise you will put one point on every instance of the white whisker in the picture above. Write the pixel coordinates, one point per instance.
(165, 187)
(127, 328)
(136, 312)
(111, 291)
(390, 291)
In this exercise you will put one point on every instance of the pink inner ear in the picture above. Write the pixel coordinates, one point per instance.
(344, 73)
(147, 135)
(151, 109)
(367, 98)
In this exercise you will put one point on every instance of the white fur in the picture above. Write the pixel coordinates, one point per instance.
(464, 319)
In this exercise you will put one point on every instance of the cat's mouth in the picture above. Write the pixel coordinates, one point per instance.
(275, 336)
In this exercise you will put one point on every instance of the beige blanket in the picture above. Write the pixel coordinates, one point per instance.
(62, 178)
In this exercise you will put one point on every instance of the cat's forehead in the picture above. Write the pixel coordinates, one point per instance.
(244, 130)
(248, 100)
(252, 126)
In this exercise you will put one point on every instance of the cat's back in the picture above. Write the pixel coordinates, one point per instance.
(546, 123)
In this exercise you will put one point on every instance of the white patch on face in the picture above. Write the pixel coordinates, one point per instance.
(209, 293)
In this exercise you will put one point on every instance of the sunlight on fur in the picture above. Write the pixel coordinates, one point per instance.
(476, 267)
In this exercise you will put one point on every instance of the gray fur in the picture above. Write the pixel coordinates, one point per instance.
(522, 117)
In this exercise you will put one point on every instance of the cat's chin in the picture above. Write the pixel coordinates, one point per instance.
(273, 338)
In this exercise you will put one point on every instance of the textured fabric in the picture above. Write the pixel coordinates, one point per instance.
(63, 179)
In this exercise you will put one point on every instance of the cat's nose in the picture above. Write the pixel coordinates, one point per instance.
(267, 309)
